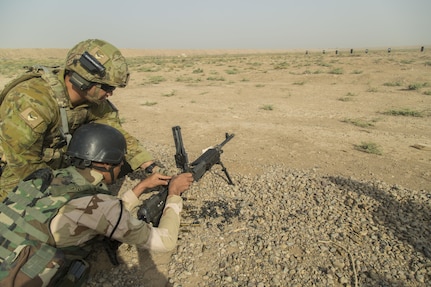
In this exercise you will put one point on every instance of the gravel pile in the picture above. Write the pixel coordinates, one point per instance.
(290, 228)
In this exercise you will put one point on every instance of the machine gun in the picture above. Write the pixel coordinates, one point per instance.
(151, 209)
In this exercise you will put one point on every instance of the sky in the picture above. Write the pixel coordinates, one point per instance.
(216, 24)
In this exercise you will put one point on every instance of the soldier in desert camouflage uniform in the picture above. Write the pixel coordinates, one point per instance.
(51, 214)
(41, 109)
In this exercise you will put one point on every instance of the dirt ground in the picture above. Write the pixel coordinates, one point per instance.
(306, 110)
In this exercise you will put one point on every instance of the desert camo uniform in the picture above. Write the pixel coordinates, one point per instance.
(74, 209)
(33, 131)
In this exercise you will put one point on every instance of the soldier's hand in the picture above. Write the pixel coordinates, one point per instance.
(180, 183)
(154, 180)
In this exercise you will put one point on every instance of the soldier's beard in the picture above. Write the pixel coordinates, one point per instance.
(93, 96)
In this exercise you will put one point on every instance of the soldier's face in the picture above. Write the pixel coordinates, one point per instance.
(96, 94)
(116, 172)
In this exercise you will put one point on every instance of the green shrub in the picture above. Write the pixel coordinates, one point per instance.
(149, 103)
(392, 84)
(416, 86)
(404, 112)
(359, 122)
(368, 147)
(336, 71)
(267, 107)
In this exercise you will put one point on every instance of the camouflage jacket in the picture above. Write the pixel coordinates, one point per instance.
(70, 212)
(31, 134)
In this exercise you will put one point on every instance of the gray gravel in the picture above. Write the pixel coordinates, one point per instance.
(291, 228)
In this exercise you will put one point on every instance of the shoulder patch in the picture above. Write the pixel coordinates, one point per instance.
(31, 117)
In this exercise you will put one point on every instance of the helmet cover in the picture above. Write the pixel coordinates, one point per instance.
(86, 55)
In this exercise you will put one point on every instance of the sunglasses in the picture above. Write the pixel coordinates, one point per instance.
(107, 88)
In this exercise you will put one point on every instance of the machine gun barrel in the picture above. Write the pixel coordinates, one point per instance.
(228, 138)
(209, 158)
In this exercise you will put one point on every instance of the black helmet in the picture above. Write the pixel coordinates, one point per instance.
(95, 142)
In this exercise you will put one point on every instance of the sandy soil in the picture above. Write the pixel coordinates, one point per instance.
(303, 110)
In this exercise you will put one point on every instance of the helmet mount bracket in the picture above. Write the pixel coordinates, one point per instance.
(79, 82)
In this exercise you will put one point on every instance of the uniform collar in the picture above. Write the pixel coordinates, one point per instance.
(92, 176)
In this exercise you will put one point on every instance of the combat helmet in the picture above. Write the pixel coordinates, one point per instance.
(96, 142)
(97, 61)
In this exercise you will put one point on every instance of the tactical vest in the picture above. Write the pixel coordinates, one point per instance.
(26, 213)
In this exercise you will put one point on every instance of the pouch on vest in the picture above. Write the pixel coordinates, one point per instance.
(30, 267)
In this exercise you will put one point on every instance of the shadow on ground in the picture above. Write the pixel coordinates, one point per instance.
(406, 217)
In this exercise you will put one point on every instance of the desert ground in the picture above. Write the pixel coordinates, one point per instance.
(365, 115)
(358, 115)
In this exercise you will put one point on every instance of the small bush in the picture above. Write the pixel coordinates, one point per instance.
(336, 71)
(281, 66)
(156, 80)
(349, 94)
(299, 83)
(368, 147)
(171, 94)
(404, 113)
(392, 84)
(149, 104)
(267, 107)
(416, 86)
(216, 79)
(232, 72)
(359, 123)
(198, 71)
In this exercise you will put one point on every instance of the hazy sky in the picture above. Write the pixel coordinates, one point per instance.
(217, 24)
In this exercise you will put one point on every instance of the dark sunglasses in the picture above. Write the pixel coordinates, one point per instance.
(107, 88)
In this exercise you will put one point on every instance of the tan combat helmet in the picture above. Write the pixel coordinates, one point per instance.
(97, 61)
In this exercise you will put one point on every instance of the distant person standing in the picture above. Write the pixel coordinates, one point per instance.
(41, 109)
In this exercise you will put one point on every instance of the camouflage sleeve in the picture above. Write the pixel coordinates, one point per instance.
(26, 112)
(136, 155)
(82, 219)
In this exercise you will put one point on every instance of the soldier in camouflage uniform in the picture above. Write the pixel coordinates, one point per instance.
(50, 215)
(41, 109)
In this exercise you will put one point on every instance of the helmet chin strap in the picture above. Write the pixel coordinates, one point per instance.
(110, 170)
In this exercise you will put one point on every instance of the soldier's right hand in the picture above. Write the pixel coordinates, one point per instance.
(180, 183)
